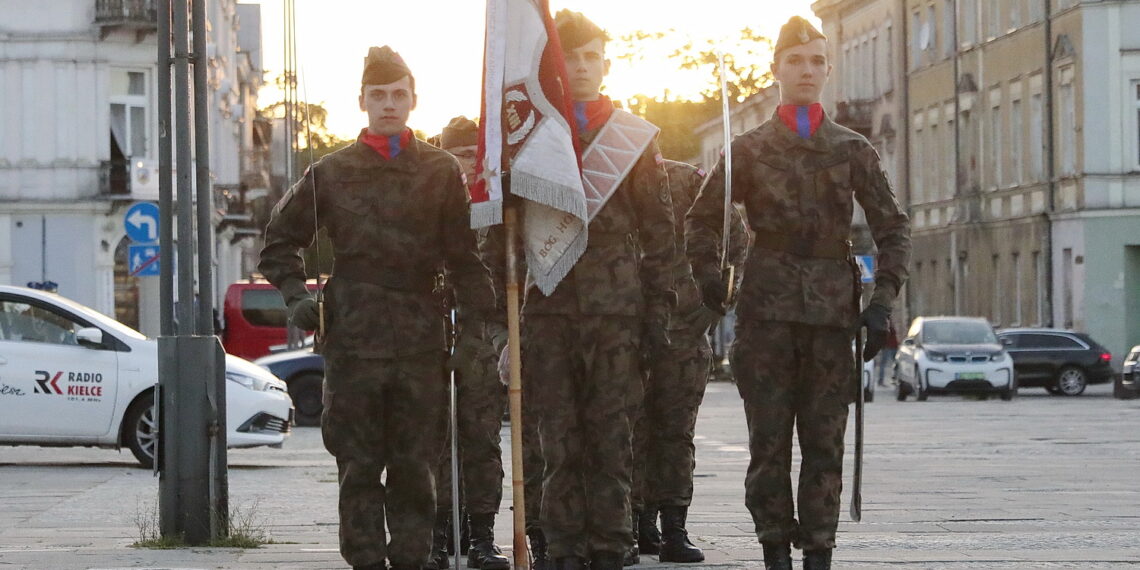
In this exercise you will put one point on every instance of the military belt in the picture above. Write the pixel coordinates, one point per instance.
(802, 246)
(399, 278)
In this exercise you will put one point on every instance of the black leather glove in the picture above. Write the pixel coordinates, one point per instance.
(714, 291)
(877, 319)
(304, 313)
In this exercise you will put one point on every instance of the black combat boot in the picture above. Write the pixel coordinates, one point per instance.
(817, 559)
(777, 556)
(540, 559)
(574, 563)
(606, 560)
(483, 552)
(648, 537)
(633, 555)
(439, 536)
(675, 545)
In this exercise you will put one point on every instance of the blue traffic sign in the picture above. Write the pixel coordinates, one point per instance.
(866, 267)
(141, 222)
(143, 260)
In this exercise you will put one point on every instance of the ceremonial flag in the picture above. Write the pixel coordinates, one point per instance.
(526, 128)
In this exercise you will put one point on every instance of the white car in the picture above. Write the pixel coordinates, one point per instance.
(942, 355)
(71, 376)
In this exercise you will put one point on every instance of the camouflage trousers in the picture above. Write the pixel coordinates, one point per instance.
(480, 402)
(385, 414)
(663, 451)
(797, 376)
(582, 382)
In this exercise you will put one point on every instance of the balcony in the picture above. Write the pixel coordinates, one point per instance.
(115, 178)
(255, 168)
(138, 15)
(856, 115)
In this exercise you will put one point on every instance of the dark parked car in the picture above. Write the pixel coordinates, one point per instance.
(1063, 362)
(304, 372)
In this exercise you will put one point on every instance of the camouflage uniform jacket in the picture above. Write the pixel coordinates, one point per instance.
(802, 189)
(626, 269)
(684, 182)
(394, 225)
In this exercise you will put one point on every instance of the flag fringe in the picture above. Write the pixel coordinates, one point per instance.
(561, 268)
(485, 214)
(548, 193)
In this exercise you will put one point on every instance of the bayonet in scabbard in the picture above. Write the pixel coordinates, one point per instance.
(728, 272)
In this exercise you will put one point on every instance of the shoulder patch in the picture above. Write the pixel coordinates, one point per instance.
(659, 159)
(701, 172)
(463, 175)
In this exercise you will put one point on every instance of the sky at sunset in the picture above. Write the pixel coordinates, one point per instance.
(442, 42)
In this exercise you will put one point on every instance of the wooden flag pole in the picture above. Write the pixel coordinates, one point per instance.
(510, 222)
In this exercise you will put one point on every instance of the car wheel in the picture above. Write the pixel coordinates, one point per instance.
(140, 430)
(306, 392)
(1071, 381)
(1007, 395)
(922, 394)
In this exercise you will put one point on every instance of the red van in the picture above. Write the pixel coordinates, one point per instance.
(255, 318)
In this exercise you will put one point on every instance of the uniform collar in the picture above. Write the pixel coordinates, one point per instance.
(786, 139)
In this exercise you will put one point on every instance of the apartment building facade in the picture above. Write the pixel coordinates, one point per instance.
(1022, 163)
(79, 99)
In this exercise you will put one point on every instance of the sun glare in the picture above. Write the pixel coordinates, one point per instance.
(442, 41)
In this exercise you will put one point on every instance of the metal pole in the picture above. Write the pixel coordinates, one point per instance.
(185, 186)
(165, 170)
(214, 405)
(204, 189)
(522, 558)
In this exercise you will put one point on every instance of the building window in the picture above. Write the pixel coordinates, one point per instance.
(888, 66)
(998, 294)
(935, 170)
(1014, 14)
(916, 40)
(1036, 11)
(1068, 122)
(931, 46)
(969, 9)
(1067, 287)
(947, 28)
(950, 183)
(1039, 272)
(1037, 137)
(1015, 138)
(996, 149)
(916, 173)
(128, 117)
(1015, 262)
(1136, 104)
(994, 29)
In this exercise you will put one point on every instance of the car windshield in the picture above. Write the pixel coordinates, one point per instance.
(958, 332)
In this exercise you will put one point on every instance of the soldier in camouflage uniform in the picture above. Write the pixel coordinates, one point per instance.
(675, 379)
(797, 175)
(481, 399)
(394, 208)
(580, 345)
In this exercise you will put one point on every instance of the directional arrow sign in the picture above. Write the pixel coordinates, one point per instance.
(141, 222)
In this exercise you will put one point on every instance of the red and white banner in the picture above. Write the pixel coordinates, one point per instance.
(527, 129)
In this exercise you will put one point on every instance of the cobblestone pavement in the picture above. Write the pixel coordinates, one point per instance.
(952, 483)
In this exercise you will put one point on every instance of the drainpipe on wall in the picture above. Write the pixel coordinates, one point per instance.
(957, 157)
(904, 127)
(1050, 167)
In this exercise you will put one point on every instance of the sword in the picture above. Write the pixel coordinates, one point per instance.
(856, 509)
(454, 455)
(727, 270)
(312, 175)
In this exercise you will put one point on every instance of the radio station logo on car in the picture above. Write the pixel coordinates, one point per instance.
(78, 386)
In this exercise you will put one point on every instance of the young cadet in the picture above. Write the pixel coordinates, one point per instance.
(481, 399)
(395, 210)
(797, 176)
(581, 344)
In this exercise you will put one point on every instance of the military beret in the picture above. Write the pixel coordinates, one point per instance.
(461, 131)
(797, 31)
(383, 66)
(575, 30)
